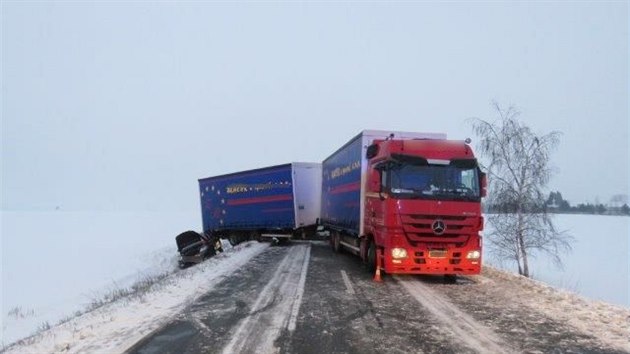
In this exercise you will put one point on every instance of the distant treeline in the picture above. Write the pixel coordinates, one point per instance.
(556, 204)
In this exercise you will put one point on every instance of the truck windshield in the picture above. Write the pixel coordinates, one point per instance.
(433, 182)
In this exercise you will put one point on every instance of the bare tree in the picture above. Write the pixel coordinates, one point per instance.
(519, 169)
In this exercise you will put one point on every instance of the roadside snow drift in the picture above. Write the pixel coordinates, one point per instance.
(115, 327)
(608, 323)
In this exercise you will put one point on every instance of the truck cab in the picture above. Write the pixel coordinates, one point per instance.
(423, 207)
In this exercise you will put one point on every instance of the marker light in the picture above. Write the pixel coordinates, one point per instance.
(399, 253)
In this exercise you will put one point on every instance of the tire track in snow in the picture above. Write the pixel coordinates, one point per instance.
(347, 282)
(472, 333)
(295, 307)
(274, 307)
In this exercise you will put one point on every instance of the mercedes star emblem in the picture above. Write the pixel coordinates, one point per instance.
(438, 227)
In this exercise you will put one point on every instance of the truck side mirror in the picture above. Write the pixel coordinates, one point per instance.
(372, 151)
(484, 184)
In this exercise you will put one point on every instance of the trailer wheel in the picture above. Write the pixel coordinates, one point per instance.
(336, 242)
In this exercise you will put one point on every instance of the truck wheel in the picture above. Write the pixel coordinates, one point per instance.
(450, 279)
(371, 257)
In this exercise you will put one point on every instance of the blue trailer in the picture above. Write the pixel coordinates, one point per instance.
(271, 202)
(341, 191)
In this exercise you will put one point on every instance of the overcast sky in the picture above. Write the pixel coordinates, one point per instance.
(116, 106)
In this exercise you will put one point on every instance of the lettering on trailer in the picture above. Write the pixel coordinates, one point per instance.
(244, 188)
(344, 170)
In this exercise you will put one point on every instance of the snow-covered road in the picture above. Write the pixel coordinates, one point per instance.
(342, 310)
(463, 326)
(304, 298)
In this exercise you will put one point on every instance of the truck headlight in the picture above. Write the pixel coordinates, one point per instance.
(399, 253)
(473, 255)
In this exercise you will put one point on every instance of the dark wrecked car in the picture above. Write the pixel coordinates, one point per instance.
(194, 247)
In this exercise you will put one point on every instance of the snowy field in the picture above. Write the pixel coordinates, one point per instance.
(598, 267)
(56, 263)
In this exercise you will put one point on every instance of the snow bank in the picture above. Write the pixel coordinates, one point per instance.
(117, 326)
(608, 323)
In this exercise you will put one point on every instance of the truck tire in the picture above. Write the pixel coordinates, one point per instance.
(371, 257)
(450, 279)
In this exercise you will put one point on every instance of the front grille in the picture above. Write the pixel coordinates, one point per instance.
(419, 228)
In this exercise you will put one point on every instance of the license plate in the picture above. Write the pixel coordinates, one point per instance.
(437, 254)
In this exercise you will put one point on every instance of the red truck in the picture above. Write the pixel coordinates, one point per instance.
(405, 203)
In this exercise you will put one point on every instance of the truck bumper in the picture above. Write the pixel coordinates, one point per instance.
(420, 262)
